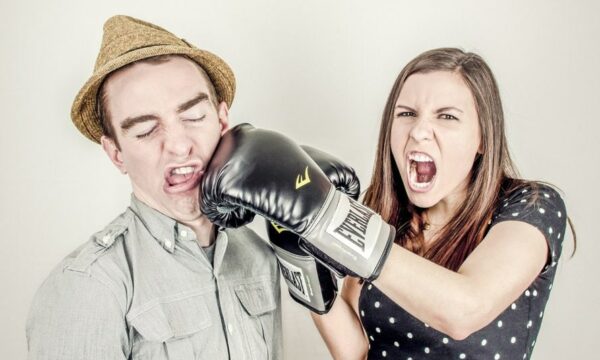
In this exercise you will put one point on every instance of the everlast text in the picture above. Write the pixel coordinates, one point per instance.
(294, 278)
(354, 227)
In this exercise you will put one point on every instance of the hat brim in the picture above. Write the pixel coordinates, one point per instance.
(84, 110)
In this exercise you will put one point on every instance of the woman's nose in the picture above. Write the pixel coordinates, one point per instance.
(421, 130)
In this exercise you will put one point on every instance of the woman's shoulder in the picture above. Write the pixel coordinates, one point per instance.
(531, 194)
(539, 204)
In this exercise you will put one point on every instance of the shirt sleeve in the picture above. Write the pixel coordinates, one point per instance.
(541, 206)
(74, 316)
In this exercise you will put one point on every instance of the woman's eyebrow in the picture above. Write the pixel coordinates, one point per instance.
(405, 107)
(446, 108)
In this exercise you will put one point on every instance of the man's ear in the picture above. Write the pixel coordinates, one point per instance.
(223, 113)
(113, 152)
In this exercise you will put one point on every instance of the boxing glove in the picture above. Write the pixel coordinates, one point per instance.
(309, 282)
(263, 172)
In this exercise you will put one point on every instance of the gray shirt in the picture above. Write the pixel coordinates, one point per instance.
(142, 288)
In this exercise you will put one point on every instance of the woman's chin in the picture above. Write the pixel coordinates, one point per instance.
(422, 196)
(422, 199)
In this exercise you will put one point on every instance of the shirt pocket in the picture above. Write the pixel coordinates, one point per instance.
(167, 329)
(258, 301)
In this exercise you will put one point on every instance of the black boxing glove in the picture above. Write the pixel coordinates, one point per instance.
(309, 282)
(264, 172)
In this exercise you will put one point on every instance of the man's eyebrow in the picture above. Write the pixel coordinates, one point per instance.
(446, 108)
(130, 121)
(188, 104)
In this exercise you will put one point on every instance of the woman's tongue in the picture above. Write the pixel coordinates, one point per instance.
(425, 171)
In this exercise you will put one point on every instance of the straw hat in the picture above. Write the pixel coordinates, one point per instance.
(126, 40)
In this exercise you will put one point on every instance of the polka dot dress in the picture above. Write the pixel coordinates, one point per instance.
(395, 334)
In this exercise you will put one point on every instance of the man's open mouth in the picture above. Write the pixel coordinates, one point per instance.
(182, 178)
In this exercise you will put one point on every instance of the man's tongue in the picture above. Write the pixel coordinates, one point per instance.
(425, 171)
(177, 179)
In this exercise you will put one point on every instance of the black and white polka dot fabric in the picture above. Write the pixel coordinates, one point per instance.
(395, 334)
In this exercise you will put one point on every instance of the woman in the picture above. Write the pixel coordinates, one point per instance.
(474, 261)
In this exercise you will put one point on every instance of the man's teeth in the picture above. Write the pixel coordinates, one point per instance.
(182, 170)
(419, 157)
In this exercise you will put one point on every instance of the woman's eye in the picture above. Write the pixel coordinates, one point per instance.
(405, 114)
(448, 117)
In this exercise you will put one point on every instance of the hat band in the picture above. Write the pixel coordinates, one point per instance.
(145, 47)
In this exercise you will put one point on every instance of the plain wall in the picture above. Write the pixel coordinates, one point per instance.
(320, 72)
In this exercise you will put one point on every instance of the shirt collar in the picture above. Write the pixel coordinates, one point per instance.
(163, 228)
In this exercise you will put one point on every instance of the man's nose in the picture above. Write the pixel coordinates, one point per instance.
(178, 141)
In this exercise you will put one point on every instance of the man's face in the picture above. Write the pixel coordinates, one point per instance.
(167, 127)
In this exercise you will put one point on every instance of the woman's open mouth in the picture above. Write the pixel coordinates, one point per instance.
(421, 171)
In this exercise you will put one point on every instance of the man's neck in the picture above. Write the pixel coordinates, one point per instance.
(205, 231)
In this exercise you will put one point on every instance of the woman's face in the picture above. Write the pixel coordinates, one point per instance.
(435, 137)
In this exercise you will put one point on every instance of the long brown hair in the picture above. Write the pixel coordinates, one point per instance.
(492, 174)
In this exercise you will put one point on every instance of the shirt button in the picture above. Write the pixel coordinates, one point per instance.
(183, 233)
(168, 243)
(230, 328)
(106, 239)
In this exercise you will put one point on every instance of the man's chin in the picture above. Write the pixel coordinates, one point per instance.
(188, 218)
(183, 214)
(182, 206)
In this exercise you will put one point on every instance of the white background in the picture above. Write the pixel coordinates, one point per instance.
(320, 72)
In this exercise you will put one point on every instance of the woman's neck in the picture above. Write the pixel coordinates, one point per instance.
(437, 216)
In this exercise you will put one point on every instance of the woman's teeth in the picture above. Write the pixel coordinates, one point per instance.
(419, 157)
(422, 170)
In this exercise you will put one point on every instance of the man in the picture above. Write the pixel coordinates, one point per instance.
(160, 281)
